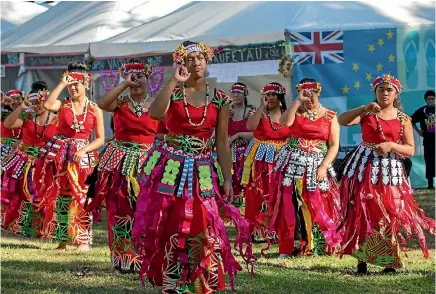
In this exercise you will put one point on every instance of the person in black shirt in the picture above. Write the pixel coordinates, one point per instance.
(425, 116)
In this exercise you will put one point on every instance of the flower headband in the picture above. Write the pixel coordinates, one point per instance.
(79, 77)
(309, 86)
(182, 52)
(239, 89)
(135, 67)
(15, 93)
(39, 97)
(387, 78)
(273, 88)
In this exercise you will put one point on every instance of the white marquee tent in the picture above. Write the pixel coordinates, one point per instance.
(221, 23)
(240, 23)
(71, 26)
(15, 13)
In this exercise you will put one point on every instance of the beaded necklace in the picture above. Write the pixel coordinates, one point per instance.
(185, 104)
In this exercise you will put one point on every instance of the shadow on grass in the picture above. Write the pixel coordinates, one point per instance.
(18, 246)
(67, 277)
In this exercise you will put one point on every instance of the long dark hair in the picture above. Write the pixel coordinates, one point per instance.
(245, 96)
(38, 86)
(281, 97)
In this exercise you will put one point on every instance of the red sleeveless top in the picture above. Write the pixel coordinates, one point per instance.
(29, 134)
(265, 132)
(239, 126)
(129, 127)
(304, 128)
(11, 133)
(391, 128)
(177, 121)
(162, 127)
(66, 121)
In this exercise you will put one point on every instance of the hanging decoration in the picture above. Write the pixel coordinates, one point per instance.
(154, 81)
(111, 75)
(89, 61)
(285, 66)
(287, 60)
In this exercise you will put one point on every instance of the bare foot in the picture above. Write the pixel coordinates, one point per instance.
(62, 246)
(83, 247)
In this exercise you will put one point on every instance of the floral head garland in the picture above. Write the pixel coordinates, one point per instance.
(273, 88)
(309, 86)
(239, 89)
(387, 78)
(182, 52)
(136, 67)
(15, 93)
(79, 77)
(39, 97)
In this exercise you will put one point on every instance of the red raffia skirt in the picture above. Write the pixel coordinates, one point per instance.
(61, 190)
(178, 231)
(299, 195)
(237, 156)
(19, 214)
(256, 177)
(377, 202)
(117, 189)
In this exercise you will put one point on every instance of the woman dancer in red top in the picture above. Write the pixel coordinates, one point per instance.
(376, 197)
(18, 189)
(239, 136)
(178, 230)
(269, 137)
(119, 163)
(68, 159)
(305, 183)
(9, 137)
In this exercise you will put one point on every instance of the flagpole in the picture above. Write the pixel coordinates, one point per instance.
(289, 52)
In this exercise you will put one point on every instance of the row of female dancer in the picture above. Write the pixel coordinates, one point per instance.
(166, 202)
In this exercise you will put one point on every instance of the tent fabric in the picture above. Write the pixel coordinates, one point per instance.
(15, 13)
(241, 23)
(70, 26)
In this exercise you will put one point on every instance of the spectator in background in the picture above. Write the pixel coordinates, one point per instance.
(425, 116)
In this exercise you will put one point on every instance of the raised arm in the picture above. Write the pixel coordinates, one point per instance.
(254, 119)
(13, 121)
(352, 117)
(108, 102)
(160, 105)
(52, 103)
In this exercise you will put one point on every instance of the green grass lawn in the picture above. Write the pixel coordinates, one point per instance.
(32, 266)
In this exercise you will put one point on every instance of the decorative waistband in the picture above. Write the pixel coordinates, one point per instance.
(29, 150)
(368, 145)
(126, 145)
(263, 149)
(178, 169)
(70, 140)
(8, 141)
(189, 144)
(387, 168)
(241, 142)
(310, 146)
(295, 162)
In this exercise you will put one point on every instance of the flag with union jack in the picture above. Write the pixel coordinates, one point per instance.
(320, 47)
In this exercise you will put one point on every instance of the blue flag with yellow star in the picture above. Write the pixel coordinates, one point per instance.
(366, 54)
